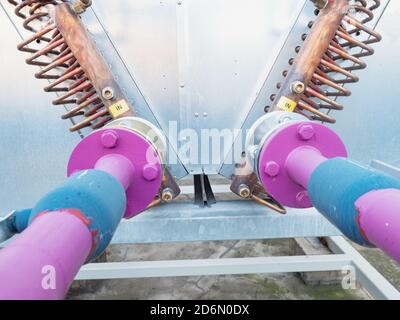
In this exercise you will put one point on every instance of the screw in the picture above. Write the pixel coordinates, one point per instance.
(272, 168)
(108, 93)
(302, 198)
(284, 119)
(244, 191)
(150, 172)
(109, 139)
(298, 87)
(167, 195)
(306, 132)
(80, 6)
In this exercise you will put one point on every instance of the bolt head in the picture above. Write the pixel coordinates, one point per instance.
(244, 191)
(150, 172)
(272, 168)
(298, 87)
(302, 198)
(167, 195)
(108, 93)
(306, 132)
(109, 139)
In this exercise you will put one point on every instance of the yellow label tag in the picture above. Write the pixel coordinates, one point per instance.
(119, 108)
(287, 104)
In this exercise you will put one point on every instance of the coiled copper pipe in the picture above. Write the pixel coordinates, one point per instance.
(69, 59)
(324, 64)
(326, 61)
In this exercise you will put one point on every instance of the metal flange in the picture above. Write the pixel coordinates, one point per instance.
(276, 148)
(120, 142)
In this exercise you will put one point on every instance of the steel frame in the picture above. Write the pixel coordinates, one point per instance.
(345, 257)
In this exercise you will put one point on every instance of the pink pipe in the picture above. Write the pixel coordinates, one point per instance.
(120, 167)
(379, 219)
(302, 162)
(41, 263)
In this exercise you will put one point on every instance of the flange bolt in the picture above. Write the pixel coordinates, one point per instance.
(272, 168)
(150, 172)
(306, 132)
(109, 139)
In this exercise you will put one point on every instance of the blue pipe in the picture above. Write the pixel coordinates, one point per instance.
(336, 185)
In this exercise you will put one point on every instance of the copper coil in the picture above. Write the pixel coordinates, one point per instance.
(50, 51)
(337, 65)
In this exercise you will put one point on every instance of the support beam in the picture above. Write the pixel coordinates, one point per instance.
(375, 283)
(184, 268)
(226, 220)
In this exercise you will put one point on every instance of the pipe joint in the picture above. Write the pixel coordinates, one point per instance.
(296, 147)
(129, 155)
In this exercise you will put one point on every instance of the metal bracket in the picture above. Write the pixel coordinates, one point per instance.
(5, 232)
(203, 193)
(386, 168)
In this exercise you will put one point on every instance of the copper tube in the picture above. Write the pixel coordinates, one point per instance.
(23, 46)
(323, 65)
(70, 60)
(63, 98)
(315, 46)
(87, 54)
(56, 63)
(68, 75)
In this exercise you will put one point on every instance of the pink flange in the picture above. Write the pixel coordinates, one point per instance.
(272, 167)
(146, 175)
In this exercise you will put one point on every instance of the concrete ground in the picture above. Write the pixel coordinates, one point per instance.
(260, 286)
(271, 286)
